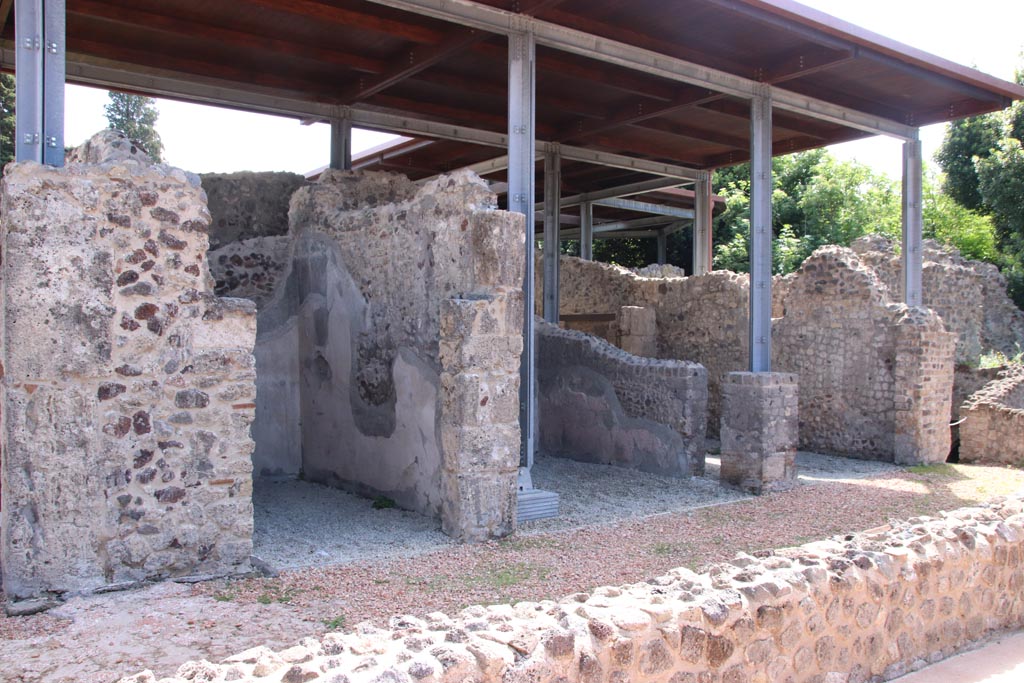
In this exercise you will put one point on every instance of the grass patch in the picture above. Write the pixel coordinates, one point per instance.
(937, 470)
(225, 596)
(529, 543)
(383, 503)
(506, 576)
(997, 359)
(335, 624)
(276, 595)
(664, 549)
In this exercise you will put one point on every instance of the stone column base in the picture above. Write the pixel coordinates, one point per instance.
(759, 430)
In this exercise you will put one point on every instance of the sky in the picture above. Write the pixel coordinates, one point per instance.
(987, 35)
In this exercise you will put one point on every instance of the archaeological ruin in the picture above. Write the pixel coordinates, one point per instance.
(401, 324)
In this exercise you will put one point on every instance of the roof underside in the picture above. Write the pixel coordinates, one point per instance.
(351, 52)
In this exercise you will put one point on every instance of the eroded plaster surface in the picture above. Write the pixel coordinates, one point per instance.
(128, 387)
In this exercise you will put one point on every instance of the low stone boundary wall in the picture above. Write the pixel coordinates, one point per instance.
(993, 427)
(600, 404)
(869, 608)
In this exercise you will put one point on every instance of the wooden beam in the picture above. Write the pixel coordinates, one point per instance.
(5, 12)
(634, 112)
(410, 62)
(696, 133)
(561, 64)
(177, 25)
(581, 22)
(311, 9)
(287, 85)
(792, 66)
(741, 110)
(805, 62)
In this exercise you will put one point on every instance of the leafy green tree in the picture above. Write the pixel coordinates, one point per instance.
(816, 200)
(948, 222)
(6, 119)
(135, 116)
(965, 140)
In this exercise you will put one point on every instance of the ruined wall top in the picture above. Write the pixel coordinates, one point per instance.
(249, 205)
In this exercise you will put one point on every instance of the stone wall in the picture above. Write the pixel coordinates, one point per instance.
(969, 296)
(866, 607)
(128, 387)
(248, 205)
(599, 404)
(350, 343)
(993, 429)
(251, 268)
(481, 343)
(876, 377)
(835, 326)
(702, 319)
(760, 430)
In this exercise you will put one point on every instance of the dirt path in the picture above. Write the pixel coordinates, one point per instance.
(101, 638)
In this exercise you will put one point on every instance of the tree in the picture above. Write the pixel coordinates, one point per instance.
(135, 116)
(6, 119)
(965, 140)
(816, 200)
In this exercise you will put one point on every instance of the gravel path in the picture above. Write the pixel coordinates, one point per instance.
(101, 638)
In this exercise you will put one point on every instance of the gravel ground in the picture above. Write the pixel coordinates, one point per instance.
(101, 638)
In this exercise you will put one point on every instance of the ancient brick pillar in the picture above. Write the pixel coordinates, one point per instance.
(923, 388)
(759, 430)
(481, 340)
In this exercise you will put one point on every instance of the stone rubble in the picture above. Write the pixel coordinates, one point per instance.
(862, 608)
(992, 432)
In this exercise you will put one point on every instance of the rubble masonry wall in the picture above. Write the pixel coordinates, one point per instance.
(993, 429)
(969, 296)
(597, 403)
(128, 387)
(866, 607)
(700, 319)
(352, 343)
(876, 377)
(840, 333)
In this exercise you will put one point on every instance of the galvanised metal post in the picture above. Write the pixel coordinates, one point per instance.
(341, 141)
(552, 227)
(911, 254)
(761, 233)
(587, 231)
(702, 224)
(521, 198)
(39, 71)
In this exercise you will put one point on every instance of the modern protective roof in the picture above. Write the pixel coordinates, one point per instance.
(305, 57)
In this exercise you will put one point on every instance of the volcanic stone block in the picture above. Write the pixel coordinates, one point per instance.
(759, 430)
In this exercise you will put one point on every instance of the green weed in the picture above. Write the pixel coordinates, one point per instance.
(383, 503)
(335, 624)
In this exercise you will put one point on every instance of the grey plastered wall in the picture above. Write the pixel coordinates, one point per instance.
(349, 341)
(600, 404)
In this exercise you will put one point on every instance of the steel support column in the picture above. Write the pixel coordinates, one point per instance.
(911, 253)
(552, 226)
(662, 247)
(587, 231)
(702, 257)
(39, 70)
(761, 234)
(341, 143)
(521, 198)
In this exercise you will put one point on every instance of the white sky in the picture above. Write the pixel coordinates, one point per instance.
(982, 33)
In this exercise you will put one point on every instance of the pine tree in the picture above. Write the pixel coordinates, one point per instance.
(135, 116)
(6, 119)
